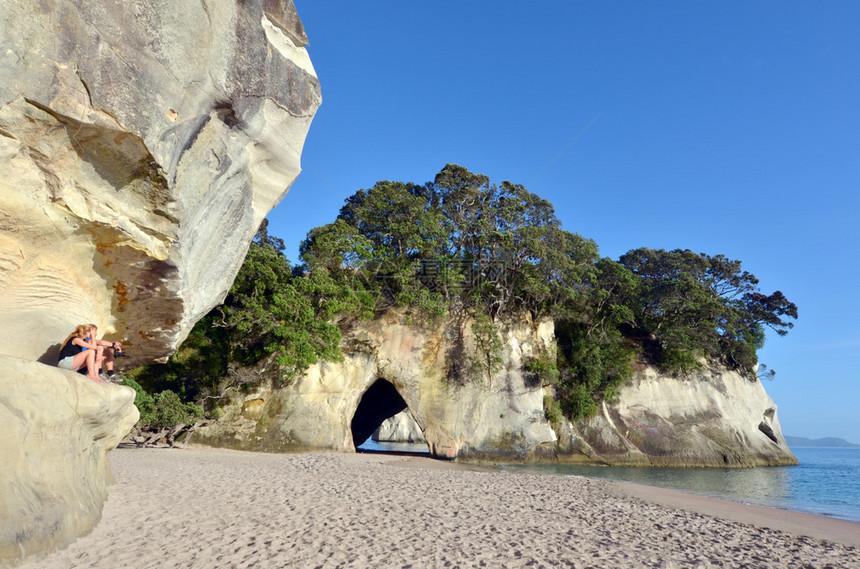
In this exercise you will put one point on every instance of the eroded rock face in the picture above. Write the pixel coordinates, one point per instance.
(713, 417)
(461, 413)
(56, 428)
(141, 144)
(400, 428)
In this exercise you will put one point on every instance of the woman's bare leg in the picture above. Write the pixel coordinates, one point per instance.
(100, 358)
(92, 370)
(79, 361)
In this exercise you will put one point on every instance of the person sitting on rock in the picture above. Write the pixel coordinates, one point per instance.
(78, 353)
(109, 350)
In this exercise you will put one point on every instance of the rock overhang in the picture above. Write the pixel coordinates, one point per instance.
(143, 144)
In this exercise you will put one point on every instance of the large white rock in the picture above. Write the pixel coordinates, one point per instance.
(141, 144)
(400, 428)
(56, 428)
(712, 417)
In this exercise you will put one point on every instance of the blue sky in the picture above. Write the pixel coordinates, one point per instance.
(722, 127)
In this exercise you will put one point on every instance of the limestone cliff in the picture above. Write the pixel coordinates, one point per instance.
(713, 417)
(398, 376)
(56, 428)
(141, 144)
(391, 364)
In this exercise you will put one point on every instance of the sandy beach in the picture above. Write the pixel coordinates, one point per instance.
(210, 508)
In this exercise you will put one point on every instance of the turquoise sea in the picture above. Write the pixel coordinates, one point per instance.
(826, 482)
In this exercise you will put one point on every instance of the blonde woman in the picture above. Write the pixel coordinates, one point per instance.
(78, 351)
(109, 349)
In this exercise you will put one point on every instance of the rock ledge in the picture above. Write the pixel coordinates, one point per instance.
(56, 428)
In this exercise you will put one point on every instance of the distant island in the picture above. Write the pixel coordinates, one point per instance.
(825, 442)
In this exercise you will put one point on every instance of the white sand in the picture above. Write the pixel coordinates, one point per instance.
(208, 508)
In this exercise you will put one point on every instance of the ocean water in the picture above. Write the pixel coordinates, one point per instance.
(826, 482)
(406, 448)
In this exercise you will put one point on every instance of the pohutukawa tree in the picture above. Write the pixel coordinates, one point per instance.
(456, 241)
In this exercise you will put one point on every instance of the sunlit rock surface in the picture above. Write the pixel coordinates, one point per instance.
(713, 417)
(461, 413)
(141, 144)
(56, 428)
(400, 428)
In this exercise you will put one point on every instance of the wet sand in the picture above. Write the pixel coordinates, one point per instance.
(211, 508)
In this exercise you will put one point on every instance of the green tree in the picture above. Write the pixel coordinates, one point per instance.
(693, 305)
(456, 241)
(270, 311)
(594, 355)
(487, 358)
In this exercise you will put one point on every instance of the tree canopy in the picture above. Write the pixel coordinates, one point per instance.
(272, 313)
(456, 241)
(693, 304)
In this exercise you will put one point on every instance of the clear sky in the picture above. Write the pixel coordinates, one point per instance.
(722, 127)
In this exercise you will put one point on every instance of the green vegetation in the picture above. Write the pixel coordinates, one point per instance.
(165, 409)
(463, 247)
(487, 358)
(453, 243)
(692, 305)
(273, 318)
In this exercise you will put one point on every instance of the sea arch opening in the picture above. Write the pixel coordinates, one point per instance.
(380, 402)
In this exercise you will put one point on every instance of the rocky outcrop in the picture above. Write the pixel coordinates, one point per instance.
(390, 364)
(713, 417)
(56, 428)
(400, 428)
(397, 377)
(141, 144)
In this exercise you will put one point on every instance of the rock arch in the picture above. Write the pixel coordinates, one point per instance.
(378, 403)
(460, 414)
